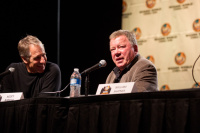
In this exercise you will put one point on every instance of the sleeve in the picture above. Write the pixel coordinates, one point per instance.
(52, 80)
(146, 79)
(6, 84)
(110, 78)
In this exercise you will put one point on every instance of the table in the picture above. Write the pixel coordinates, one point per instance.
(149, 112)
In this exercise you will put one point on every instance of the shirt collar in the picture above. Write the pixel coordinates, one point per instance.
(117, 71)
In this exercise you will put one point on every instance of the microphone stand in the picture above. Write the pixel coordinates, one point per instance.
(87, 84)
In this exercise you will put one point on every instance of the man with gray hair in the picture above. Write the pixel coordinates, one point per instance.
(35, 74)
(130, 66)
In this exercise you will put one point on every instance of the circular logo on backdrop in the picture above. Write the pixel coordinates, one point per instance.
(124, 6)
(151, 58)
(166, 29)
(164, 88)
(196, 85)
(137, 32)
(150, 3)
(180, 1)
(196, 25)
(180, 58)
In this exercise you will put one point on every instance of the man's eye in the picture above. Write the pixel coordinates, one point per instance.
(37, 58)
(112, 49)
(122, 46)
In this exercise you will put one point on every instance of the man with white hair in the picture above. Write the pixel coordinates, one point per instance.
(35, 74)
(130, 66)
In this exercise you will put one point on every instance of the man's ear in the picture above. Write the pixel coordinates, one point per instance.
(24, 60)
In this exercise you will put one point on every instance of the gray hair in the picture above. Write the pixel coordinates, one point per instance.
(23, 45)
(130, 35)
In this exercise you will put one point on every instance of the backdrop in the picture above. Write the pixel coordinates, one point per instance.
(168, 34)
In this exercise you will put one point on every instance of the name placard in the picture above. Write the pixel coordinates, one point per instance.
(4, 97)
(115, 88)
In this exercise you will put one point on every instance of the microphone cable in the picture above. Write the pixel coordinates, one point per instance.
(56, 92)
(63, 89)
(193, 71)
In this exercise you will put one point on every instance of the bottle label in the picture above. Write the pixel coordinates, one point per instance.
(75, 81)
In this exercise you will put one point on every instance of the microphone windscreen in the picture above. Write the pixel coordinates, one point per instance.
(11, 69)
(103, 63)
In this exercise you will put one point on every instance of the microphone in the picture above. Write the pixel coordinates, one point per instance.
(102, 63)
(193, 71)
(10, 70)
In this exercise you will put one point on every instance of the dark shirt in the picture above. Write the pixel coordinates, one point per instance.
(31, 84)
(119, 74)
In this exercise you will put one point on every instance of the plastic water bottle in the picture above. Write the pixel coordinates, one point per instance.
(75, 83)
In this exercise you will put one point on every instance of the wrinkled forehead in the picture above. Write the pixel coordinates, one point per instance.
(36, 49)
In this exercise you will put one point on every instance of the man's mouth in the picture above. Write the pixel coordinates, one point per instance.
(119, 59)
(41, 66)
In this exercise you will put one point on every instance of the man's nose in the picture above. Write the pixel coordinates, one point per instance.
(117, 52)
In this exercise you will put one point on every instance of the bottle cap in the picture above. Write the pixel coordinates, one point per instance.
(76, 69)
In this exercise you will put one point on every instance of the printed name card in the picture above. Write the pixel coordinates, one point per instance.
(115, 88)
(11, 96)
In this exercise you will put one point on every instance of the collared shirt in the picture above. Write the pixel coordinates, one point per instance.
(119, 74)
